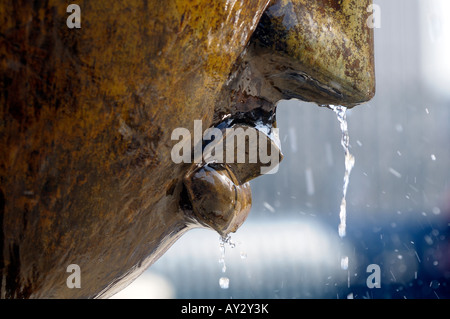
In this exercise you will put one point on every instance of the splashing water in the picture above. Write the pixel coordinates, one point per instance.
(224, 282)
(349, 163)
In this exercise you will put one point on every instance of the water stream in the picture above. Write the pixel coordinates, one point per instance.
(349, 163)
(340, 111)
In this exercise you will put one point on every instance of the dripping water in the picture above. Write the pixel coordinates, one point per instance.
(224, 281)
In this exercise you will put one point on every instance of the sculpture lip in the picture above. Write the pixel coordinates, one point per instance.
(299, 78)
(247, 141)
(217, 192)
(217, 199)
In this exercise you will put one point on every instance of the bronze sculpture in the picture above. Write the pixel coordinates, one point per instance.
(87, 114)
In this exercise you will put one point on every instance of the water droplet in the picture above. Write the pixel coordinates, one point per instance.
(224, 282)
(436, 210)
(344, 263)
(224, 266)
(394, 172)
(428, 240)
(399, 128)
(222, 253)
(269, 207)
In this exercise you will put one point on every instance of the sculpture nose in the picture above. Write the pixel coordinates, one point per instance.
(319, 51)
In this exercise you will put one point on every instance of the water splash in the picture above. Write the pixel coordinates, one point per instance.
(224, 282)
(349, 163)
(344, 263)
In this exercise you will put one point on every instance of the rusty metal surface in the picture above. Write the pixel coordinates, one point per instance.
(86, 116)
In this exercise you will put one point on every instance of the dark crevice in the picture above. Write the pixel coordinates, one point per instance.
(2, 236)
(185, 202)
(13, 273)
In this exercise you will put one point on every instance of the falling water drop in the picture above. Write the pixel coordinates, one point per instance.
(224, 282)
(344, 263)
(222, 254)
(434, 284)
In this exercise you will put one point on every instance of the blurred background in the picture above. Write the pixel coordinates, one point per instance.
(398, 199)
